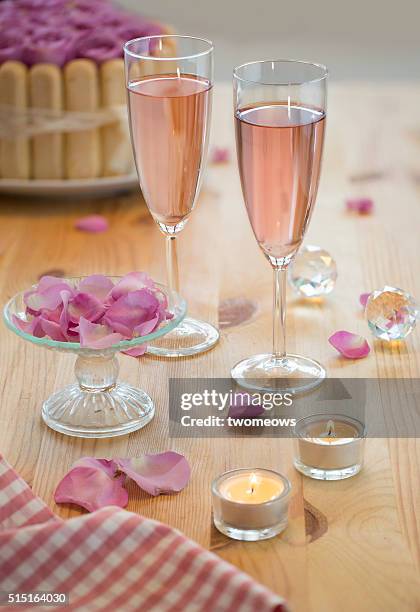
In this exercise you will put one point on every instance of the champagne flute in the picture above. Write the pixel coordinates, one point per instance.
(169, 83)
(280, 111)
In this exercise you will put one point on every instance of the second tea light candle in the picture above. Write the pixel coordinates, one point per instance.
(250, 503)
(329, 446)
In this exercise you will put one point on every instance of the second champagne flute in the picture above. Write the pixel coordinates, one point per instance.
(169, 83)
(280, 110)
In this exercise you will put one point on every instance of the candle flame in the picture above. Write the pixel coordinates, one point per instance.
(253, 480)
(331, 429)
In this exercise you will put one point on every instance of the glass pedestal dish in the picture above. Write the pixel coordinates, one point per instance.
(98, 405)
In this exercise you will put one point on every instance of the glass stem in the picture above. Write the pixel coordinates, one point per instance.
(97, 373)
(279, 313)
(172, 263)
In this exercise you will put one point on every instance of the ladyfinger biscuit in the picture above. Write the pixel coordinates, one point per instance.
(46, 91)
(15, 161)
(116, 149)
(81, 93)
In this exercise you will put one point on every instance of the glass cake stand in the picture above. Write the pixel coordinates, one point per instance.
(98, 405)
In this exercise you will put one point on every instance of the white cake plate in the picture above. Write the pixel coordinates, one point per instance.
(98, 187)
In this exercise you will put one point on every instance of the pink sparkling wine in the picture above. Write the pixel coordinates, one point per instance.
(169, 117)
(279, 155)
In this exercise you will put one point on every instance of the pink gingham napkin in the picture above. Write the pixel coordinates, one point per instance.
(112, 560)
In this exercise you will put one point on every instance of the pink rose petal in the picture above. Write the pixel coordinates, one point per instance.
(109, 466)
(134, 281)
(146, 328)
(363, 298)
(47, 295)
(53, 330)
(86, 306)
(143, 329)
(64, 319)
(91, 488)
(137, 351)
(220, 155)
(32, 326)
(241, 407)
(97, 285)
(349, 345)
(92, 223)
(161, 473)
(363, 206)
(96, 335)
(130, 310)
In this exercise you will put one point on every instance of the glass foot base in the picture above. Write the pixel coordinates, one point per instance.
(191, 337)
(98, 414)
(291, 373)
(250, 535)
(320, 474)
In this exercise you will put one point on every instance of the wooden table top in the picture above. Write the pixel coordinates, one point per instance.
(350, 545)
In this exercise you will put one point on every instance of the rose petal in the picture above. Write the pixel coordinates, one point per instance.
(99, 47)
(64, 315)
(92, 223)
(363, 298)
(86, 306)
(220, 155)
(98, 285)
(47, 294)
(32, 326)
(91, 488)
(48, 46)
(137, 351)
(53, 330)
(133, 281)
(360, 205)
(97, 336)
(109, 466)
(349, 345)
(146, 328)
(131, 310)
(143, 330)
(241, 406)
(161, 473)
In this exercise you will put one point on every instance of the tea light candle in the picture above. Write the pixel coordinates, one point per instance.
(329, 447)
(250, 504)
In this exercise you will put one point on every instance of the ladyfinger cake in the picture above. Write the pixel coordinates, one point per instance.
(61, 64)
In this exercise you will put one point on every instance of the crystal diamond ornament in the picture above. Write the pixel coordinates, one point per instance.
(391, 313)
(313, 272)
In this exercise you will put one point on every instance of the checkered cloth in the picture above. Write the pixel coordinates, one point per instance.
(114, 560)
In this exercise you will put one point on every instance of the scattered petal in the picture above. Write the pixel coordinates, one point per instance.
(161, 473)
(96, 335)
(363, 206)
(349, 345)
(92, 223)
(220, 155)
(363, 298)
(91, 488)
(243, 406)
(106, 465)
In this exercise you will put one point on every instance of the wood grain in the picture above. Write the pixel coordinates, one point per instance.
(351, 545)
